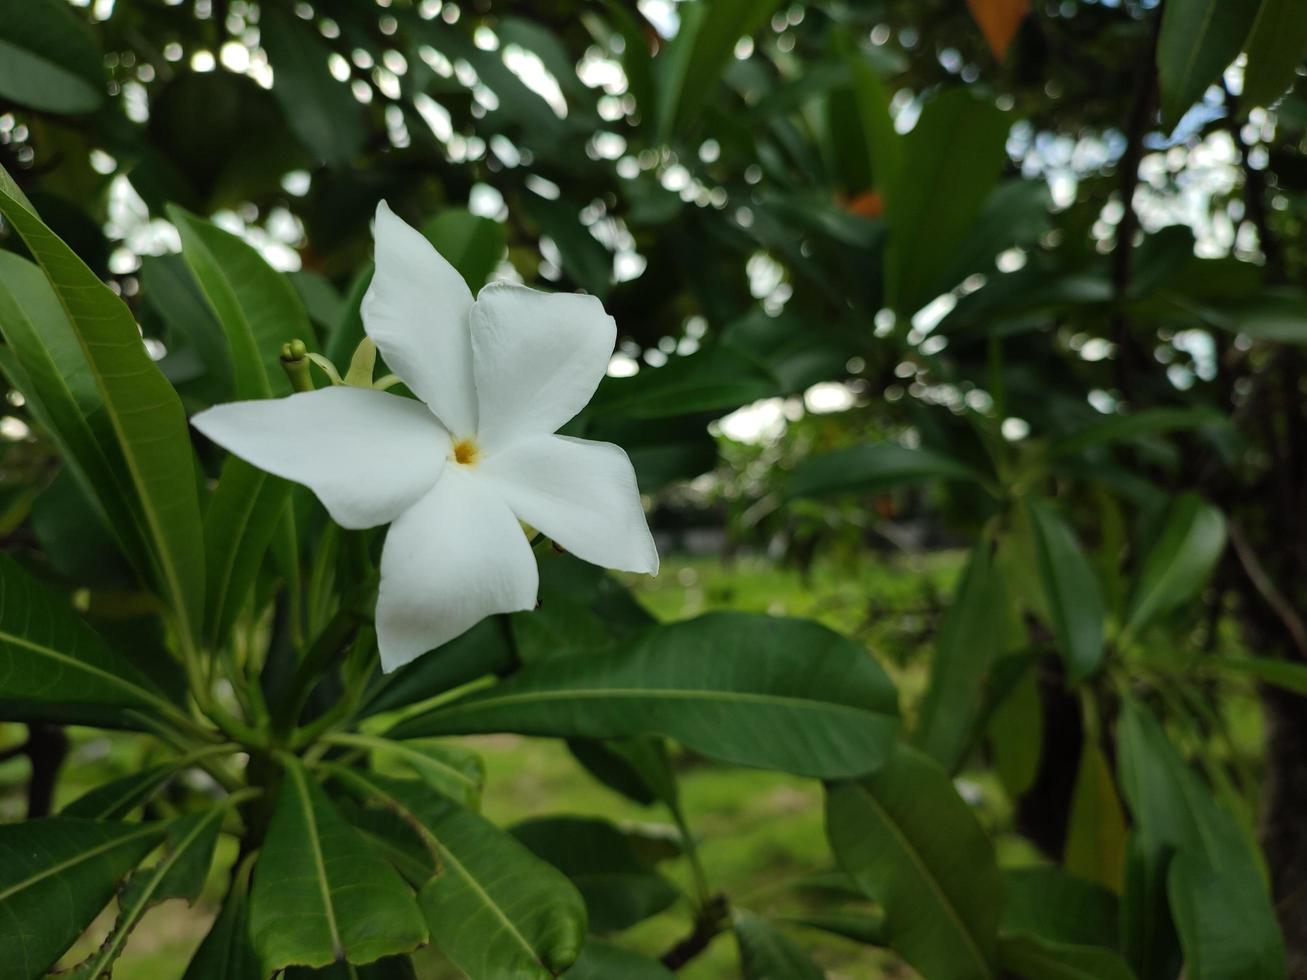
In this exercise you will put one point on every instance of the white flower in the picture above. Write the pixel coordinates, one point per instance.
(455, 472)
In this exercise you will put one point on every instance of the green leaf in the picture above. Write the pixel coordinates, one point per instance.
(618, 888)
(1198, 41)
(766, 953)
(716, 379)
(950, 162)
(48, 57)
(114, 800)
(637, 767)
(54, 667)
(585, 260)
(450, 769)
(247, 509)
(602, 961)
(259, 311)
(56, 875)
(143, 412)
(391, 968)
(1071, 590)
(1276, 47)
(1191, 541)
(753, 690)
(884, 146)
(179, 873)
(1016, 734)
(703, 46)
(1285, 674)
(969, 642)
(1222, 911)
(50, 369)
(1045, 903)
(873, 467)
(321, 893)
(494, 908)
(226, 952)
(484, 649)
(1042, 959)
(1096, 829)
(321, 111)
(1123, 428)
(256, 306)
(470, 243)
(912, 844)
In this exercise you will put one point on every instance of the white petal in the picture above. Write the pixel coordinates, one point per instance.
(369, 456)
(580, 493)
(458, 556)
(416, 311)
(537, 357)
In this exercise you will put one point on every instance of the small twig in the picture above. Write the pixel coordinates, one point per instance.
(710, 923)
(1275, 599)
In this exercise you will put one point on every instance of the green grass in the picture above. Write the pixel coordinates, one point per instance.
(756, 830)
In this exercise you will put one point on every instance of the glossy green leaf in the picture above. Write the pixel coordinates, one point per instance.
(619, 889)
(766, 953)
(1198, 41)
(54, 667)
(1041, 959)
(1071, 591)
(391, 968)
(883, 146)
(603, 961)
(143, 412)
(1223, 912)
(179, 872)
(1276, 46)
(950, 163)
(753, 690)
(1096, 829)
(913, 844)
(970, 640)
(321, 111)
(226, 952)
(470, 243)
(873, 467)
(1190, 543)
(636, 767)
(493, 908)
(48, 57)
(321, 893)
(56, 875)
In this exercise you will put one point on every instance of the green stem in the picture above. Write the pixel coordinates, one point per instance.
(703, 894)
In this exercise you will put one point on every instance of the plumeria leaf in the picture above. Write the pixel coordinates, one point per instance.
(754, 690)
(321, 893)
(118, 798)
(603, 961)
(147, 427)
(493, 908)
(48, 58)
(911, 843)
(179, 872)
(766, 953)
(618, 887)
(226, 952)
(54, 667)
(56, 875)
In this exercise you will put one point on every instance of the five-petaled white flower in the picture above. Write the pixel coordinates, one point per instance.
(455, 472)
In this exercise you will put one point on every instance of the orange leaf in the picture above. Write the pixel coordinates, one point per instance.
(999, 20)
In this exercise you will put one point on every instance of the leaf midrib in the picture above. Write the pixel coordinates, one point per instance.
(73, 861)
(915, 858)
(315, 847)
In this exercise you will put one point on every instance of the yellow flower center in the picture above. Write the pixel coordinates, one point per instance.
(465, 452)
